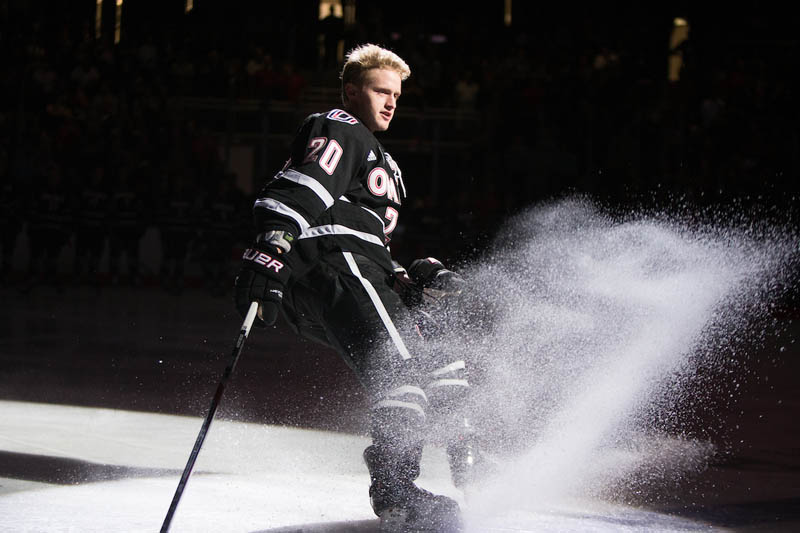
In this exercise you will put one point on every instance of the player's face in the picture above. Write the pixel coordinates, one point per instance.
(375, 100)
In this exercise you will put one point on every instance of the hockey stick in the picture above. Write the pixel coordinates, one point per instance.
(237, 350)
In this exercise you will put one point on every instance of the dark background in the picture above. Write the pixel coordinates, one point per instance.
(567, 99)
(125, 206)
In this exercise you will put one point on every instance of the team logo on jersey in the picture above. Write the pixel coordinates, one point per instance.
(372, 156)
(342, 116)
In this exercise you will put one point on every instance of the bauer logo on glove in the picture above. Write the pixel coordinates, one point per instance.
(262, 279)
(262, 259)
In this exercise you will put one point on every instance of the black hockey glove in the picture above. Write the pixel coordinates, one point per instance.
(431, 275)
(263, 275)
(404, 286)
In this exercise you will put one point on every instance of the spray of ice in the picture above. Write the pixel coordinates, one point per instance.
(584, 327)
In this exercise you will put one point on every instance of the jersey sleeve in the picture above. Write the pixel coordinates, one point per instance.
(326, 155)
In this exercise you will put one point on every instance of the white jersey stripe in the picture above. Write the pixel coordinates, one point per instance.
(373, 213)
(408, 389)
(379, 307)
(283, 209)
(396, 403)
(337, 229)
(343, 198)
(448, 383)
(307, 181)
(458, 365)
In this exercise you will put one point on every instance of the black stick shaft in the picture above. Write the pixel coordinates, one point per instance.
(237, 350)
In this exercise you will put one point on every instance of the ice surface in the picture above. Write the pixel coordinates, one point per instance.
(248, 478)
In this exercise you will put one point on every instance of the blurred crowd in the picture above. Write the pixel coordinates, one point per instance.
(97, 149)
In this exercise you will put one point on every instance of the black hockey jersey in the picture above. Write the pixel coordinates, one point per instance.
(340, 190)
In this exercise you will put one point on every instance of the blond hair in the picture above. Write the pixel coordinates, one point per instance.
(367, 57)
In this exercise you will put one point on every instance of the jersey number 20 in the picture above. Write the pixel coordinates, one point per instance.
(330, 156)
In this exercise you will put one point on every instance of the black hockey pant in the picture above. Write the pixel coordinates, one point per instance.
(346, 302)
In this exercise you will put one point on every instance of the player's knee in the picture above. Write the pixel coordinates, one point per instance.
(447, 384)
(399, 415)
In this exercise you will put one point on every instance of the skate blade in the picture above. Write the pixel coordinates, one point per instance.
(393, 520)
(397, 520)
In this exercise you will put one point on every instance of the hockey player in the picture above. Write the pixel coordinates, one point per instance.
(321, 255)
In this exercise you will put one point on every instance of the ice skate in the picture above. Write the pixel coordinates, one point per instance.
(402, 506)
(469, 463)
